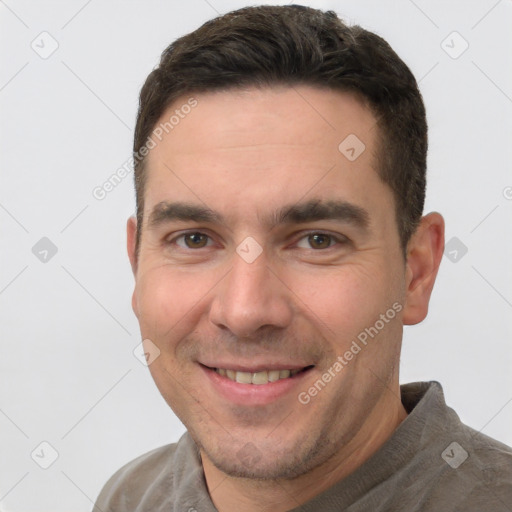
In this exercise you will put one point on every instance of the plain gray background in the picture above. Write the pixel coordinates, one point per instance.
(68, 373)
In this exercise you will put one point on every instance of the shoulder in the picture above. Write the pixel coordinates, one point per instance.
(141, 483)
(476, 469)
(453, 464)
(477, 473)
(491, 458)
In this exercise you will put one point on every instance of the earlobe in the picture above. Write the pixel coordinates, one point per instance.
(424, 254)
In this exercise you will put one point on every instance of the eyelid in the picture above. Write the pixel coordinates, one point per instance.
(181, 234)
(338, 238)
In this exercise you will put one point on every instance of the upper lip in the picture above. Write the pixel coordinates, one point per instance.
(254, 368)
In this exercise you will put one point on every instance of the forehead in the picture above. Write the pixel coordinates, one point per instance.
(286, 115)
(239, 149)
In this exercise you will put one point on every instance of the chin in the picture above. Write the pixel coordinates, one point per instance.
(268, 459)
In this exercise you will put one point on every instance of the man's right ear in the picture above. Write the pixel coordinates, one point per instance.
(131, 238)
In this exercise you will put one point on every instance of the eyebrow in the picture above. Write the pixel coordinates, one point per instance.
(297, 213)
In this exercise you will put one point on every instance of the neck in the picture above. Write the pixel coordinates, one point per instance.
(230, 494)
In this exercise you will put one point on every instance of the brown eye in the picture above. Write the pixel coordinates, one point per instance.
(319, 241)
(195, 240)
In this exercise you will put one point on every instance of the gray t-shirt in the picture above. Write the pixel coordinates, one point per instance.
(431, 463)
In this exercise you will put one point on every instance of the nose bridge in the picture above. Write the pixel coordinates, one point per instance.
(250, 296)
(250, 278)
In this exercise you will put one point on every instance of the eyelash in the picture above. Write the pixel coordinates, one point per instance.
(340, 239)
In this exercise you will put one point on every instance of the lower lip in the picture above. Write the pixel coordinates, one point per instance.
(254, 394)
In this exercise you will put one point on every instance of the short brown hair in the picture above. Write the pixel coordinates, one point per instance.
(291, 45)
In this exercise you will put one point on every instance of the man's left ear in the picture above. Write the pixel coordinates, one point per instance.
(424, 253)
(131, 245)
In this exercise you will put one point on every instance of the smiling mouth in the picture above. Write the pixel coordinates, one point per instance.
(261, 377)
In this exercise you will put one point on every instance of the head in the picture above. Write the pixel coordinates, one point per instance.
(274, 46)
(280, 161)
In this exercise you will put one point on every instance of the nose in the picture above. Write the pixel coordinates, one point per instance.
(250, 297)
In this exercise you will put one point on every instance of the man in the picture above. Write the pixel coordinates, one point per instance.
(278, 250)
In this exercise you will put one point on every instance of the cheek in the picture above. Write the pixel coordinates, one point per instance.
(347, 300)
(167, 301)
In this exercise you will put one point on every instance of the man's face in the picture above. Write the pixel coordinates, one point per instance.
(299, 255)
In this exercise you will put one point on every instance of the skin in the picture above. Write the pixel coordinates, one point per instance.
(245, 154)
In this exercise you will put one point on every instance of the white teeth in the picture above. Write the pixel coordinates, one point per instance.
(244, 377)
(260, 378)
(273, 375)
(257, 378)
